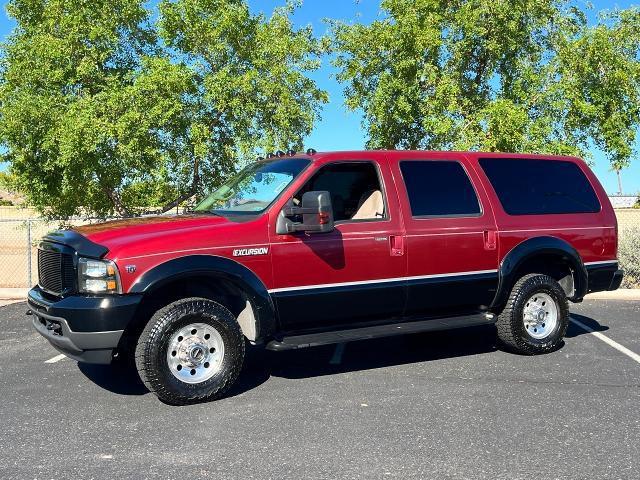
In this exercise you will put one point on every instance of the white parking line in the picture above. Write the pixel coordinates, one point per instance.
(55, 359)
(608, 341)
(336, 359)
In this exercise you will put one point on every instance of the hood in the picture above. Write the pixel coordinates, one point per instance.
(156, 223)
(143, 232)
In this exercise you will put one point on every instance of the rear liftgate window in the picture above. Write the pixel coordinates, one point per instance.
(538, 187)
(439, 189)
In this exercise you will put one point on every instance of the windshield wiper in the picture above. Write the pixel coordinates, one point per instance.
(204, 212)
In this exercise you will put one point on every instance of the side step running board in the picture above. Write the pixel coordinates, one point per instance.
(325, 338)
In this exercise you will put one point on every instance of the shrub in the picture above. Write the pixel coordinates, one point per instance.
(629, 256)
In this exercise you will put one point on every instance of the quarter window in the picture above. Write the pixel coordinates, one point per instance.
(535, 187)
(439, 189)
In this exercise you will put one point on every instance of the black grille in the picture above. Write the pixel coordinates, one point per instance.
(55, 271)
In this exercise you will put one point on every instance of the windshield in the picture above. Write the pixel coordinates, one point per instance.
(254, 188)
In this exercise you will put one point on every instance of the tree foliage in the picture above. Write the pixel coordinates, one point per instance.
(495, 75)
(104, 111)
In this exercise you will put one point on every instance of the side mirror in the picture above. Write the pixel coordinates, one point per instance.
(316, 211)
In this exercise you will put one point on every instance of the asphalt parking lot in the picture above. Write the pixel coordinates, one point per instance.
(446, 406)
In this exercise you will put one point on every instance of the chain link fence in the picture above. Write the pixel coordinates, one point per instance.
(21, 230)
(628, 219)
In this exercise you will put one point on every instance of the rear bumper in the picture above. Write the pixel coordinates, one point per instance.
(87, 329)
(604, 276)
(616, 280)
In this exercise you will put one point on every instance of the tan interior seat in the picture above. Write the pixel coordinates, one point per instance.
(372, 207)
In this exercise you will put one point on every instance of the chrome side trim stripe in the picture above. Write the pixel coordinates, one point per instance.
(605, 262)
(381, 280)
(553, 229)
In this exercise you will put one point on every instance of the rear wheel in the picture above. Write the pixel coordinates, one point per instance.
(536, 316)
(191, 350)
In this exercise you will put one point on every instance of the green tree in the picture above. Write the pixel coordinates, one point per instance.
(249, 75)
(496, 75)
(103, 111)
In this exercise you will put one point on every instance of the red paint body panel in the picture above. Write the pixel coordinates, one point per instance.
(399, 246)
(447, 245)
(147, 246)
(593, 235)
(352, 252)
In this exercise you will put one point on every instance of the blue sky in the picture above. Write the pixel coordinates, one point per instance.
(340, 129)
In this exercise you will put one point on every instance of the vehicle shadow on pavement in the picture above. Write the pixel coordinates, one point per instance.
(261, 364)
(371, 354)
(385, 352)
(120, 379)
(574, 330)
(123, 379)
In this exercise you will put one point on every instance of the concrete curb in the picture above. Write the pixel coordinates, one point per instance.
(4, 303)
(13, 293)
(620, 294)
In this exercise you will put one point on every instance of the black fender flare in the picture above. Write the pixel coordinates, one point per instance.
(216, 267)
(530, 248)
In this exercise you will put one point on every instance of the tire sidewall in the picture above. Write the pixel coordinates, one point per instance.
(165, 384)
(529, 288)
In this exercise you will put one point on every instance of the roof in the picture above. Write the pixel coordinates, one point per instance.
(435, 153)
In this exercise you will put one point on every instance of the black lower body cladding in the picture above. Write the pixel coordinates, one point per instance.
(85, 328)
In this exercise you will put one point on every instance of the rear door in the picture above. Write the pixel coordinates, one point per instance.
(353, 275)
(451, 241)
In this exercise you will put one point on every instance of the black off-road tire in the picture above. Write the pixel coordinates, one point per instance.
(510, 324)
(152, 346)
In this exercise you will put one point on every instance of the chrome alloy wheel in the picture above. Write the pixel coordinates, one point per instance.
(195, 353)
(540, 315)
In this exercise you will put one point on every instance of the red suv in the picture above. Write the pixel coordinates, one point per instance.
(308, 249)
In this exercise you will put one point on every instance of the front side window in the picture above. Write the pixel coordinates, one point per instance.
(439, 189)
(535, 187)
(254, 188)
(356, 193)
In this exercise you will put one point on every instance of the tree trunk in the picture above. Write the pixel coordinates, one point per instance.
(619, 182)
(189, 193)
(119, 208)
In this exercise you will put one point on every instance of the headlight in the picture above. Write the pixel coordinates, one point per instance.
(98, 276)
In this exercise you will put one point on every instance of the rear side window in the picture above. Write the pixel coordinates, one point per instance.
(439, 189)
(538, 187)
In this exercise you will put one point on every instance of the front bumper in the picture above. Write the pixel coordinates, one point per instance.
(87, 329)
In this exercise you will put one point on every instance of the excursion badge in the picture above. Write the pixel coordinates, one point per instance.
(245, 252)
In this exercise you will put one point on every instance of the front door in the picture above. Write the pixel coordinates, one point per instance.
(354, 274)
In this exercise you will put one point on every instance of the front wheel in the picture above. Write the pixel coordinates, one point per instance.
(191, 350)
(536, 316)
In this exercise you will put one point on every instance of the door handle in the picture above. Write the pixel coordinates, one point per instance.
(490, 239)
(396, 243)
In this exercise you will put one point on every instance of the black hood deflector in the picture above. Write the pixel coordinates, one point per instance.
(81, 244)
